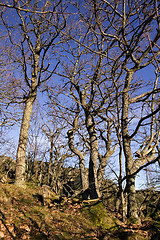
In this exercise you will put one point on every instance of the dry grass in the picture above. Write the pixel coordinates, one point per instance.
(22, 216)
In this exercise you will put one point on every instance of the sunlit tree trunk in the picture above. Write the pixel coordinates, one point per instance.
(23, 138)
(21, 151)
(32, 36)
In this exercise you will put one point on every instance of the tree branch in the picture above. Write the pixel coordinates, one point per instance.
(141, 120)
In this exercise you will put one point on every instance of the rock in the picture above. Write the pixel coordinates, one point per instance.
(100, 216)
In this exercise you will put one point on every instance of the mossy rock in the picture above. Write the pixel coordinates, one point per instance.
(100, 217)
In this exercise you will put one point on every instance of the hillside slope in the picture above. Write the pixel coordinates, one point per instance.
(24, 216)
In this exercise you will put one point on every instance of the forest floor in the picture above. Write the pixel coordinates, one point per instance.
(24, 216)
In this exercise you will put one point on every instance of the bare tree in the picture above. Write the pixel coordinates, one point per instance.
(129, 33)
(81, 155)
(84, 74)
(32, 35)
(58, 155)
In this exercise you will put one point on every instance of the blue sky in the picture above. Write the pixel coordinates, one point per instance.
(146, 74)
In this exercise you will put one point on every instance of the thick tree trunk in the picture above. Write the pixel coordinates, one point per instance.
(21, 151)
(93, 178)
(131, 197)
(130, 180)
(130, 183)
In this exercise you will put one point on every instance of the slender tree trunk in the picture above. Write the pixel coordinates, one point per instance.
(101, 171)
(35, 164)
(104, 158)
(120, 204)
(121, 193)
(41, 167)
(83, 175)
(21, 151)
(50, 161)
(93, 178)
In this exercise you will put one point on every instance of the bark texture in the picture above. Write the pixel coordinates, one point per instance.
(93, 178)
(21, 151)
(129, 161)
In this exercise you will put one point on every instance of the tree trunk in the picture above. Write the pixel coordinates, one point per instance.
(83, 172)
(84, 178)
(101, 171)
(23, 138)
(21, 151)
(93, 178)
(120, 194)
(130, 181)
(50, 162)
(131, 198)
